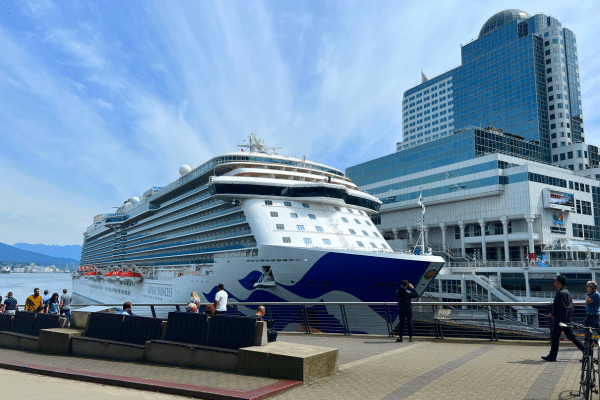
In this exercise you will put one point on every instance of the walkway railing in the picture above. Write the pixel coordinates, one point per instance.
(509, 320)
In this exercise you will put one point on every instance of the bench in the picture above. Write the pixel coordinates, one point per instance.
(464, 315)
(25, 329)
(194, 340)
(5, 322)
(116, 336)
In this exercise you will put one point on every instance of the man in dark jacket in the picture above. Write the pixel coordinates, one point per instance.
(562, 310)
(405, 293)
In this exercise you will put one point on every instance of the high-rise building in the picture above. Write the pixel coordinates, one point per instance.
(520, 76)
(496, 150)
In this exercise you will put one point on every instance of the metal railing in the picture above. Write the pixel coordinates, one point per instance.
(509, 320)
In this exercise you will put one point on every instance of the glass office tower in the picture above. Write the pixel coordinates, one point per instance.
(520, 76)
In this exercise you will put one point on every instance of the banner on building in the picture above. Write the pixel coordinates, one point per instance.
(558, 200)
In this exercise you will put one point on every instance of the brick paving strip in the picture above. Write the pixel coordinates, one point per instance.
(182, 389)
(544, 385)
(420, 382)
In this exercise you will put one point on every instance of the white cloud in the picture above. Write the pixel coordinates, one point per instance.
(104, 104)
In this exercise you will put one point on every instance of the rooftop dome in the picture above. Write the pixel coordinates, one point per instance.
(501, 18)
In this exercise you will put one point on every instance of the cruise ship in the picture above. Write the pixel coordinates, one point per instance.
(267, 226)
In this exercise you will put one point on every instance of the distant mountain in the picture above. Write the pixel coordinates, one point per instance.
(13, 254)
(70, 251)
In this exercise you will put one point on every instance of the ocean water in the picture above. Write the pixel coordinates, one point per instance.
(22, 284)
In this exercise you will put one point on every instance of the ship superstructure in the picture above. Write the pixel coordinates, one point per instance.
(270, 227)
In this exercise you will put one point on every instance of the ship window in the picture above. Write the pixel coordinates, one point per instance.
(307, 241)
(352, 231)
(365, 233)
(312, 216)
(293, 215)
(337, 208)
(287, 240)
(280, 226)
(287, 203)
(274, 214)
(368, 223)
(327, 241)
(357, 221)
(373, 245)
(268, 202)
(375, 234)
(360, 243)
(350, 211)
(305, 205)
(300, 227)
(344, 219)
(384, 246)
(319, 228)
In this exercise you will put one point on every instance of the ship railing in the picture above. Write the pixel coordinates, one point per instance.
(507, 320)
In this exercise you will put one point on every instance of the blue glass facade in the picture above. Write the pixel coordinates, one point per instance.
(461, 146)
(502, 83)
(574, 88)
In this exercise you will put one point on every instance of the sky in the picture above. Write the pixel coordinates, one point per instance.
(102, 100)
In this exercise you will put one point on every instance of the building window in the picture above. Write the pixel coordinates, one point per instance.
(268, 203)
(327, 242)
(287, 240)
(307, 241)
(467, 231)
(352, 231)
(305, 205)
(509, 227)
(498, 229)
(287, 203)
(476, 230)
(319, 228)
(293, 215)
(280, 226)
(456, 232)
(274, 214)
(312, 216)
(300, 227)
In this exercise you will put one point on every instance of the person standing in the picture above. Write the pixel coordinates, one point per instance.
(45, 299)
(65, 305)
(221, 300)
(592, 308)
(34, 303)
(53, 305)
(405, 294)
(562, 311)
(10, 304)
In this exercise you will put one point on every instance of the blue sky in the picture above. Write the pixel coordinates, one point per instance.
(102, 100)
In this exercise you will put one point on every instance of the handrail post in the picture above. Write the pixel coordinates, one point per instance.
(269, 312)
(153, 311)
(177, 308)
(344, 320)
(305, 317)
(388, 321)
(235, 310)
(492, 323)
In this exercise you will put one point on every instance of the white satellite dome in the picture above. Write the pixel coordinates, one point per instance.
(135, 200)
(184, 169)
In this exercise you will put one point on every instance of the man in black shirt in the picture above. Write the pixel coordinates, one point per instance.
(405, 293)
(562, 310)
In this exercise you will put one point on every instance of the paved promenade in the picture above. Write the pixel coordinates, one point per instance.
(370, 368)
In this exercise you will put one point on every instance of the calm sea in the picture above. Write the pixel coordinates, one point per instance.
(22, 284)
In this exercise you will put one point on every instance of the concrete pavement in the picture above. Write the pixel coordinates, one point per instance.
(370, 368)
